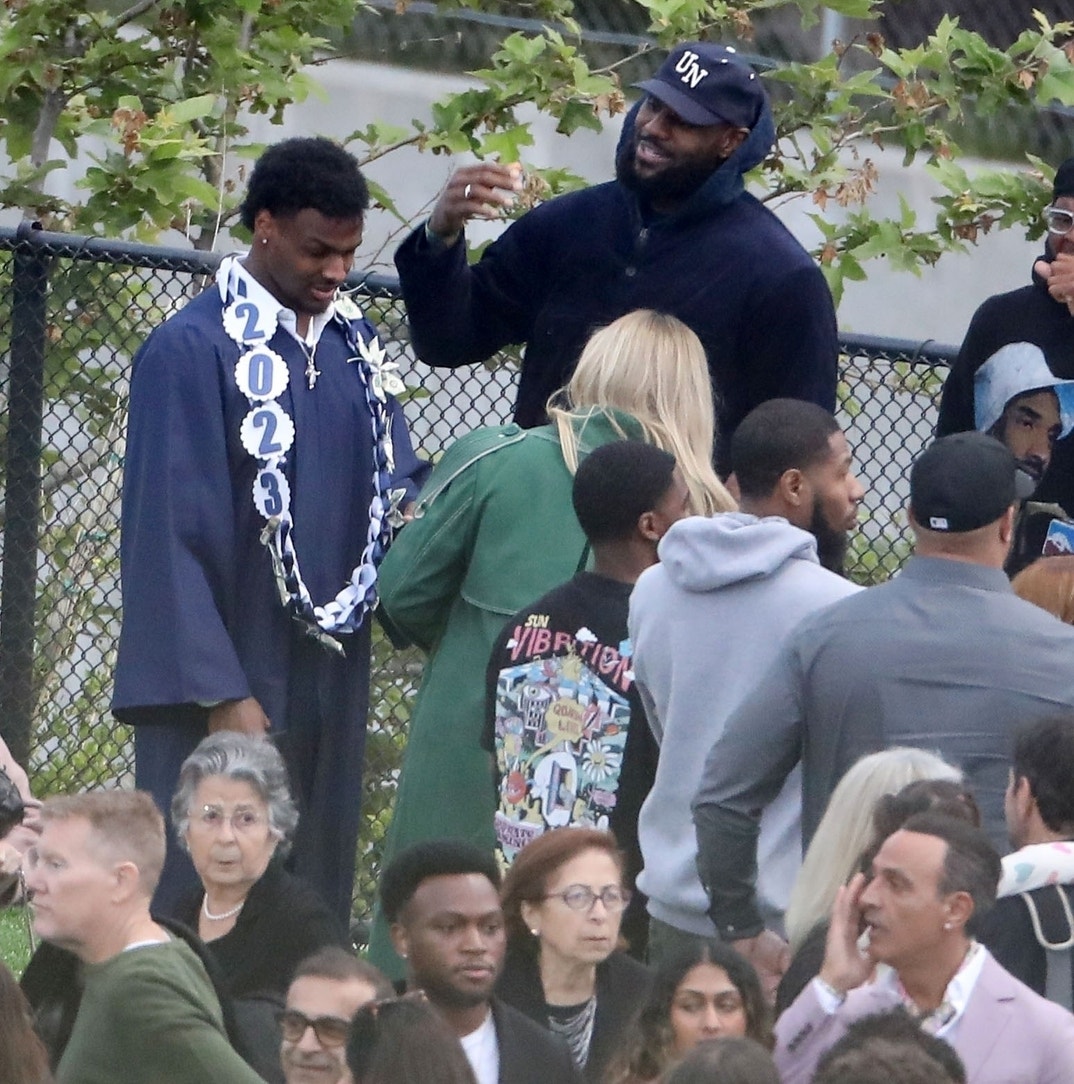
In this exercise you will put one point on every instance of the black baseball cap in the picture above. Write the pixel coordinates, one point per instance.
(1064, 180)
(965, 481)
(708, 84)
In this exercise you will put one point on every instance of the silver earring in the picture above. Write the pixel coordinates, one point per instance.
(264, 240)
(536, 933)
(947, 925)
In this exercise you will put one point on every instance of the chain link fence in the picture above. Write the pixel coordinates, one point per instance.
(450, 37)
(74, 312)
(424, 34)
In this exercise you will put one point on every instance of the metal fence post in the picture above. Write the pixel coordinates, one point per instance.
(18, 585)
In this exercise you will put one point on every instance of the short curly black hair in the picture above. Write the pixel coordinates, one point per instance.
(305, 172)
(433, 858)
(616, 484)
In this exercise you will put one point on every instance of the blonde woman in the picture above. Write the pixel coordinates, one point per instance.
(494, 530)
(876, 796)
(1049, 583)
(847, 827)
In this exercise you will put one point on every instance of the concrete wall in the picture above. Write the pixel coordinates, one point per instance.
(936, 305)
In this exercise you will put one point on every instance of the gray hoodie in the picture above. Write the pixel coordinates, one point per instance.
(706, 623)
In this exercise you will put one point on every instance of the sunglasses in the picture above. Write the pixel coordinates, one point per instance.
(330, 1030)
(1058, 220)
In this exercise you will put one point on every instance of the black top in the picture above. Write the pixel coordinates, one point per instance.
(1007, 932)
(283, 921)
(804, 967)
(1026, 315)
(528, 1054)
(622, 987)
(582, 623)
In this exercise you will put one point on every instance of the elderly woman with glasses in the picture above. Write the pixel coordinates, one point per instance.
(563, 900)
(233, 812)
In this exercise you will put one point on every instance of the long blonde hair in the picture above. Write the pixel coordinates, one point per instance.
(651, 366)
(847, 827)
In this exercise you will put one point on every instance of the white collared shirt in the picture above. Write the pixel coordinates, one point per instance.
(955, 998)
(285, 317)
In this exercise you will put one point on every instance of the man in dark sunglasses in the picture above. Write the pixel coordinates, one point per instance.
(328, 989)
(1040, 314)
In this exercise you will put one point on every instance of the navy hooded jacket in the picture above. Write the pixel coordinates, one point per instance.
(723, 264)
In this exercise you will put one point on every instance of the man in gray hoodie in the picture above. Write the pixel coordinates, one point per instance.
(709, 619)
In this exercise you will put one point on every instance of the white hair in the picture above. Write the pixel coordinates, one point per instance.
(847, 827)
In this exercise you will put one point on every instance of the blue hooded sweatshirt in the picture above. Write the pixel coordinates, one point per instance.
(722, 263)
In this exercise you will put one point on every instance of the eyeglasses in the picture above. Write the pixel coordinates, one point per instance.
(582, 897)
(242, 819)
(1058, 220)
(330, 1030)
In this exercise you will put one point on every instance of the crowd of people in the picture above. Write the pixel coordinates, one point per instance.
(681, 803)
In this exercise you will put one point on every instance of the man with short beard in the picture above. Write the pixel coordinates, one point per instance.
(707, 621)
(676, 231)
(441, 899)
(1018, 400)
(1041, 313)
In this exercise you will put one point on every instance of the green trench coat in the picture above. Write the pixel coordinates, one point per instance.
(494, 530)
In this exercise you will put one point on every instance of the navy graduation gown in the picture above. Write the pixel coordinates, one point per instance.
(202, 618)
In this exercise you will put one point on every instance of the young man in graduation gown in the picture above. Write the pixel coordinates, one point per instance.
(266, 464)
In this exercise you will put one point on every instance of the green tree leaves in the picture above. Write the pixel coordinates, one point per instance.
(156, 96)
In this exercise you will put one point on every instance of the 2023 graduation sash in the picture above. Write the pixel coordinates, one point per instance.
(268, 433)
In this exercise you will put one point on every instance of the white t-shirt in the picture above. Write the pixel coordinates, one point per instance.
(483, 1052)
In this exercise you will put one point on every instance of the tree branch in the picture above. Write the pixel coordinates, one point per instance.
(52, 106)
(132, 13)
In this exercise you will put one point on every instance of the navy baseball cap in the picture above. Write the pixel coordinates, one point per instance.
(708, 84)
(965, 481)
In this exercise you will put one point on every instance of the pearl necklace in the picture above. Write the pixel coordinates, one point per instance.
(223, 914)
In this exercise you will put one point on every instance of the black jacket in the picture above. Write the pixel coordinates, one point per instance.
(1026, 315)
(283, 921)
(622, 986)
(1007, 931)
(528, 1053)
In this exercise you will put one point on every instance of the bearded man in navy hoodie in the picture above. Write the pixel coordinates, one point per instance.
(675, 231)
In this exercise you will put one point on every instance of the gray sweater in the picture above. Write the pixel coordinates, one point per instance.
(706, 624)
